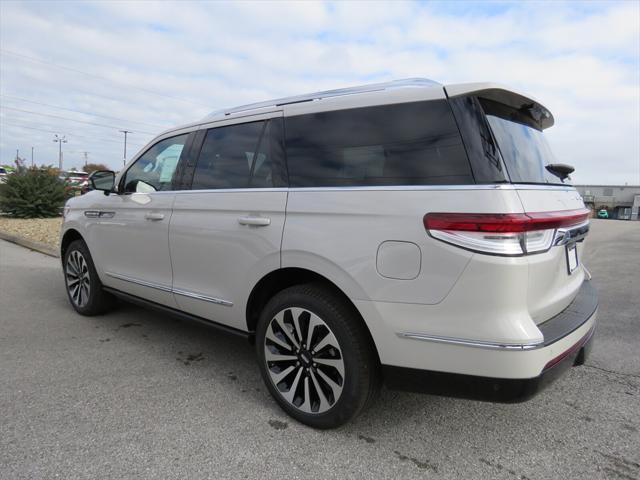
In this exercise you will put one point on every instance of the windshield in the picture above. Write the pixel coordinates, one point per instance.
(524, 148)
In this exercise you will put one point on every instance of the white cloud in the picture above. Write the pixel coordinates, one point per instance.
(582, 60)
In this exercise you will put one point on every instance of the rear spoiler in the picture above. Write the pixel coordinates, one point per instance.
(505, 95)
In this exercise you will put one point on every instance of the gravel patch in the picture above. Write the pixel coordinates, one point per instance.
(42, 230)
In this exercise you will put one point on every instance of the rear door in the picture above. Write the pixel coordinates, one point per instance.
(225, 233)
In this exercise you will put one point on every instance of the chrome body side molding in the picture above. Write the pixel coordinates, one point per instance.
(470, 343)
(199, 296)
(166, 288)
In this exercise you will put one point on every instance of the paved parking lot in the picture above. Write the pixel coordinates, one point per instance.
(138, 394)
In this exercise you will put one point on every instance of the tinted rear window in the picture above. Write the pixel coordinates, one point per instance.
(523, 146)
(401, 144)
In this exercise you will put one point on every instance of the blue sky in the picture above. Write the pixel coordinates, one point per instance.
(88, 70)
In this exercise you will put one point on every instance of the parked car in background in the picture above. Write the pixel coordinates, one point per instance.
(74, 178)
(3, 175)
(409, 232)
(603, 213)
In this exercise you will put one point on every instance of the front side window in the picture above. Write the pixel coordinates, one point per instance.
(154, 170)
(401, 144)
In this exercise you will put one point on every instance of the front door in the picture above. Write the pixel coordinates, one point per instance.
(225, 233)
(131, 235)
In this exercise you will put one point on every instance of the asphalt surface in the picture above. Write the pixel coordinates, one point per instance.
(138, 394)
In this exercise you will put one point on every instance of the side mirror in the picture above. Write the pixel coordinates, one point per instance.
(103, 180)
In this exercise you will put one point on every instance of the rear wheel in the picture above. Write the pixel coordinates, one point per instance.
(316, 357)
(84, 288)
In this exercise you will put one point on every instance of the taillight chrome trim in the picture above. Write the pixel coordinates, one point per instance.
(508, 234)
(504, 222)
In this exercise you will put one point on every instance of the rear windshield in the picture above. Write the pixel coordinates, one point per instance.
(524, 148)
(400, 144)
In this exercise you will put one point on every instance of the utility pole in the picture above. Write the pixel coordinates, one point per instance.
(124, 158)
(59, 141)
(31, 157)
(86, 157)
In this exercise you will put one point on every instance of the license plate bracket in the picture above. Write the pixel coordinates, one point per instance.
(572, 257)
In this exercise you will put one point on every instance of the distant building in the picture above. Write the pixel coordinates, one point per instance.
(620, 201)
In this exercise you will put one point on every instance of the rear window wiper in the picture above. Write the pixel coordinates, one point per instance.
(560, 170)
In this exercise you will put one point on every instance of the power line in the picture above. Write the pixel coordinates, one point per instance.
(63, 67)
(80, 111)
(67, 118)
(2, 122)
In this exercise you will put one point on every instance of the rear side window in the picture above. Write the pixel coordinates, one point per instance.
(239, 156)
(402, 144)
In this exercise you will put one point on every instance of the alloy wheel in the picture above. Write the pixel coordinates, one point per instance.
(304, 360)
(77, 276)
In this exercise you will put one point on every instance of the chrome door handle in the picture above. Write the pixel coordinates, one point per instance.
(154, 217)
(256, 221)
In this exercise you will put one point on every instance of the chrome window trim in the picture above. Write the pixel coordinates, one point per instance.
(471, 343)
(165, 288)
(401, 188)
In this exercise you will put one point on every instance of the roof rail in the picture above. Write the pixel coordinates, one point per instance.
(308, 97)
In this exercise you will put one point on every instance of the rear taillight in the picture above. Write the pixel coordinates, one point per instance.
(502, 233)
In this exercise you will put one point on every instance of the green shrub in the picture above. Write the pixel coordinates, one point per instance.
(36, 193)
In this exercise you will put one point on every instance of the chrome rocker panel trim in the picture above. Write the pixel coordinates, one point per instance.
(165, 288)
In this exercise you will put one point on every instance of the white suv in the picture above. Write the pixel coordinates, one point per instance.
(409, 232)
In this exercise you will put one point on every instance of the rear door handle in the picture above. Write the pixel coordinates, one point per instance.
(154, 217)
(256, 221)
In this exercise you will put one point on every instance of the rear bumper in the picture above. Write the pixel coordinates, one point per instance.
(504, 390)
(568, 338)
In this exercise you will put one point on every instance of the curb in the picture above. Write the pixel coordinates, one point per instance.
(30, 244)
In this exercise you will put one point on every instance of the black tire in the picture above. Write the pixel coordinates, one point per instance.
(77, 258)
(361, 379)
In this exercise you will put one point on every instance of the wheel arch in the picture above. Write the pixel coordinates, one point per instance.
(69, 236)
(278, 280)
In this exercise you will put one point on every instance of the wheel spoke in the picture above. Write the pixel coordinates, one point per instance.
(274, 357)
(338, 364)
(85, 291)
(285, 329)
(272, 337)
(74, 293)
(335, 388)
(295, 313)
(291, 394)
(71, 268)
(278, 377)
(79, 303)
(314, 321)
(328, 339)
(306, 405)
(324, 401)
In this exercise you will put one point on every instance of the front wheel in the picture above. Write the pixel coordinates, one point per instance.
(316, 357)
(84, 288)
